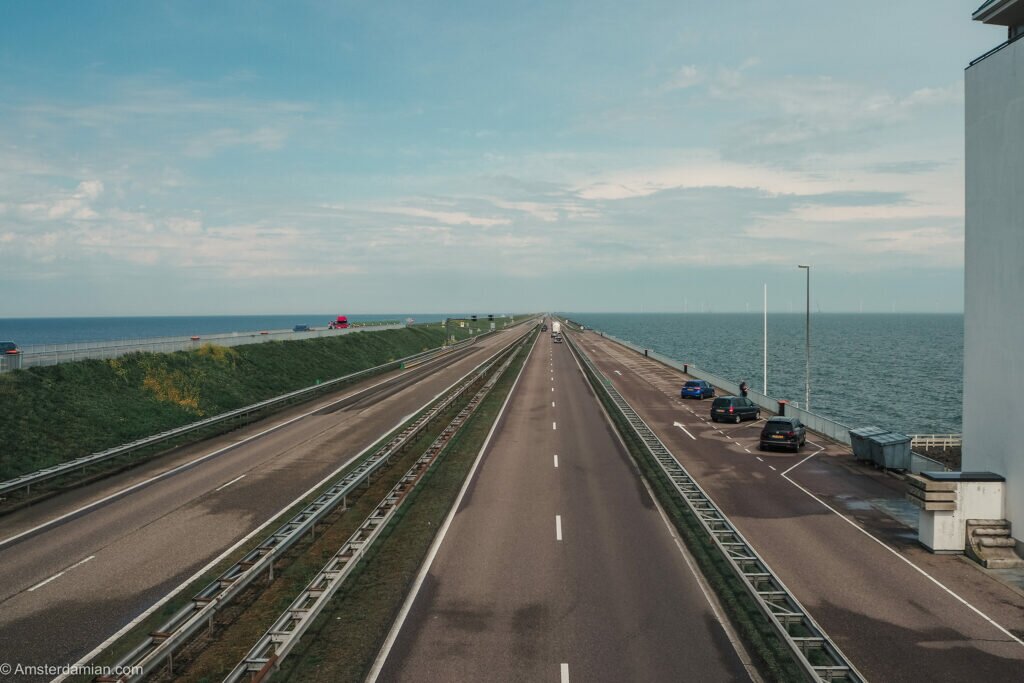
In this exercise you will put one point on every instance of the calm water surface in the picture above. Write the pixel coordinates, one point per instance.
(898, 371)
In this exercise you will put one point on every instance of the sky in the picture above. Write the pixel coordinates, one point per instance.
(195, 158)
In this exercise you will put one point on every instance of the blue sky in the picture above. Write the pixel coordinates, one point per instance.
(258, 157)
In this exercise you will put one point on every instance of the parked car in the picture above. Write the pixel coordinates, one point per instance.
(697, 388)
(300, 328)
(783, 432)
(734, 409)
(9, 348)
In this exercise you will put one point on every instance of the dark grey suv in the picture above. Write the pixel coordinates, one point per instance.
(783, 432)
(734, 409)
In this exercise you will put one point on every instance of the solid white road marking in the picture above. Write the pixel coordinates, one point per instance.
(59, 574)
(556, 460)
(410, 597)
(224, 486)
(558, 527)
(565, 672)
(191, 463)
(899, 556)
(676, 424)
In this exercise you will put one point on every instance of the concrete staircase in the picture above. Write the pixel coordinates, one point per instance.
(989, 544)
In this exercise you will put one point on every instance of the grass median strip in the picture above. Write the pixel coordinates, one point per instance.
(234, 628)
(345, 639)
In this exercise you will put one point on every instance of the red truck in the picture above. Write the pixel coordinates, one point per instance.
(340, 324)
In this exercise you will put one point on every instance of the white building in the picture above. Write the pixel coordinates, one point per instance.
(993, 428)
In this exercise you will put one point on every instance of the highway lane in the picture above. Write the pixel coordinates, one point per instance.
(892, 620)
(69, 586)
(559, 569)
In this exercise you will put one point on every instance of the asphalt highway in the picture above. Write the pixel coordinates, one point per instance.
(820, 520)
(87, 571)
(558, 565)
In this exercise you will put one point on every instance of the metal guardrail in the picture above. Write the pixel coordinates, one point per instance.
(790, 620)
(268, 652)
(186, 622)
(26, 481)
(819, 424)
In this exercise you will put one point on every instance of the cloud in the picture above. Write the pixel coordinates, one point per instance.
(686, 77)
(266, 138)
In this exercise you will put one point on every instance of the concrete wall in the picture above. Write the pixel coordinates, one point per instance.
(994, 274)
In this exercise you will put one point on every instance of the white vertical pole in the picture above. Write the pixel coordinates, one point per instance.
(766, 339)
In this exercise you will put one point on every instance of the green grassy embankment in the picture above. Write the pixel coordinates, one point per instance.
(57, 413)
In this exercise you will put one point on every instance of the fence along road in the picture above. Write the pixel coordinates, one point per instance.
(899, 612)
(145, 542)
(566, 571)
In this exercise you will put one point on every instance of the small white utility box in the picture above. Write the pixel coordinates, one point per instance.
(948, 499)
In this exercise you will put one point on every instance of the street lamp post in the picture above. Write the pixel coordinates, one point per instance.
(807, 342)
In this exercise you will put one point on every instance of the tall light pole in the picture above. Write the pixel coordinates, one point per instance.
(807, 343)
(766, 339)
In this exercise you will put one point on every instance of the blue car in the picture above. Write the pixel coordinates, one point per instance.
(697, 388)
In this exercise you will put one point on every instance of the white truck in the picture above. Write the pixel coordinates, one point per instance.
(556, 329)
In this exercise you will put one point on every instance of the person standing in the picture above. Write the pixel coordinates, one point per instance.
(743, 389)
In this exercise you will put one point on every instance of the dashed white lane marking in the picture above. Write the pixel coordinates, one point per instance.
(618, 373)
(772, 468)
(762, 460)
(747, 450)
(552, 404)
(224, 486)
(676, 424)
(556, 460)
(558, 527)
(554, 425)
(552, 388)
(565, 672)
(59, 574)
(913, 566)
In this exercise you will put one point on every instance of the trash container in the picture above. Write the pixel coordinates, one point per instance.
(859, 440)
(891, 450)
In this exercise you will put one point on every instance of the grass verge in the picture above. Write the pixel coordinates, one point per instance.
(57, 413)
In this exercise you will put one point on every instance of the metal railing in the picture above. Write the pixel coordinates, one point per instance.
(26, 481)
(825, 426)
(34, 355)
(790, 620)
(268, 652)
(943, 441)
(199, 612)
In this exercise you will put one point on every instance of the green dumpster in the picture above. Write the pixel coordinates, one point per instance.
(859, 440)
(891, 450)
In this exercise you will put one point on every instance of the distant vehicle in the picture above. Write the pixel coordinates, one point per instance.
(300, 328)
(558, 339)
(697, 388)
(783, 432)
(264, 332)
(734, 409)
(556, 328)
(543, 328)
(341, 323)
(9, 348)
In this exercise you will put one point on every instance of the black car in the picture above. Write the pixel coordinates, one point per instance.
(783, 432)
(9, 348)
(734, 409)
